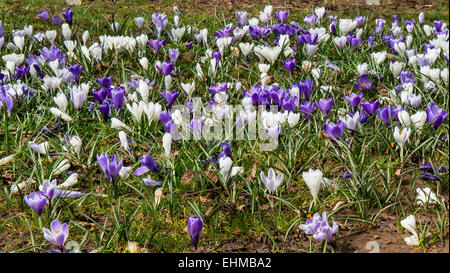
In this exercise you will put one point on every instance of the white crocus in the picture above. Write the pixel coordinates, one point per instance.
(136, 110)
(19, 41)
(41, 148)
(426, 195)
(167, 143)
(313, 179)
(379, 57)
(144, 63)
(125, 172)
(177, 33)
(225, 164)
(124, 141)
(347, 25)
(69, 182)
(246, 48)
(61, 101)
(85, 37)
(117, 124)
(66, 32)
(401, 136)
(168, 82)
(51, 35)
(404, 118)
(293, 118)
(188, 88)
(396, 68)
(268, 53)
(418, 119)
(62, 166)
(350, 121)
(60, 114)
(272, 182)
(409, 223)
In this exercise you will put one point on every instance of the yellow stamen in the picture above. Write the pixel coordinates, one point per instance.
(392, 144)
(309, 216)
(57, 231)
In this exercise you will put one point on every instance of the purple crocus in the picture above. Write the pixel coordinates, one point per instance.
(325, 105)
(195, 225)
(306, 108)
(110, 166)
(5, 99)
(68, 16)
(354, 100)
(385, 115)
(57, 235)
(218, 87)
(305, 87)
(241, 17)
(428, 176)
(156, 45)
(44, 15)
(173, 54)
(105, 82)
(289, 64)
(147, 164)
(334, 131)
(319, 227)
(435, 115)
(166, 68)
(170, 97)
(99, 94)
(281, 16)
(226, 150)
(49, 189)
(76, 70)
(160, 21)
(432, 168)
(117, 96)
(36, 201)
(371, 107)
(364, 83)
(56, 20)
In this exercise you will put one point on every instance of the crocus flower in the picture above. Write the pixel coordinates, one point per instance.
(334, 131)
(435, 115)
(49, 189)
(173, 54)
(160, 21)
(226, 150)
(426, 195)
(364, 84)
(409, 223)
(325, 105)
(195, 225)
(170, 97)
(110, 166)
(139, 22)
(58, 234)
(105, 82)
(289, 64)
(401, 136)
(271, 182)
(428, 176)
(218, 87)
(68, 16)
(319, 227)
(44, 15)
(305, 87)
(429, 167)
(281, 16)
(147, 164)
(306, 108)
(241, 17)
(36, 201)
(371, 107)
(156, 45)
(354, 100)
(166, 68)
(313, 179)
(350, 122)
(56, 20)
